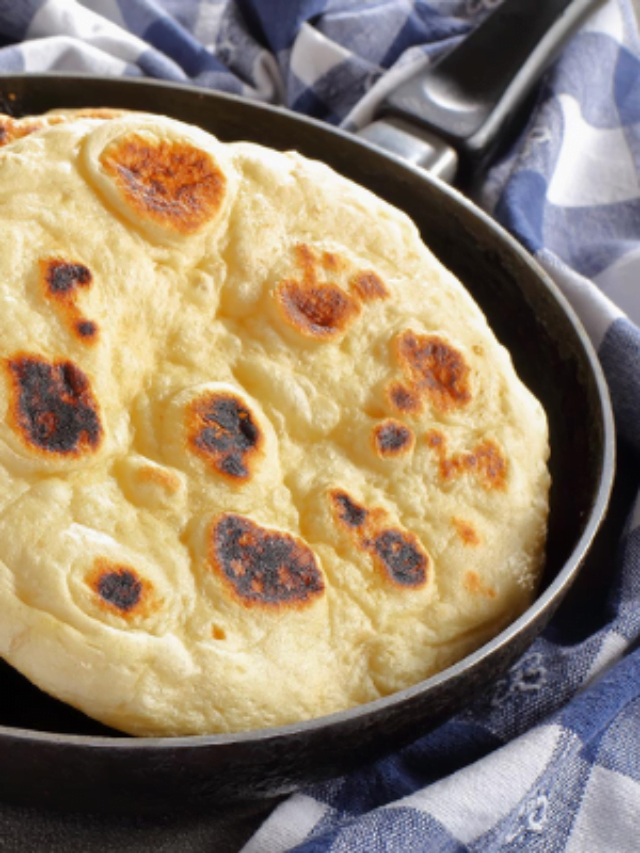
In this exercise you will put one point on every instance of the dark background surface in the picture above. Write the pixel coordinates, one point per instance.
(30, 831)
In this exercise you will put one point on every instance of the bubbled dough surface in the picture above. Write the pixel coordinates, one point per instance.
(179, 317)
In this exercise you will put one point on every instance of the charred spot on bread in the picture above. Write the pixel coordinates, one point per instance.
(87, 329)
(397, 553)
(64, 277)
(403, 399)
(435, 439)
(173, 183)
(392, 438)
(347, 510)
(52, 406)
(264, 566)
(62, 281)
(120, 588)
(402, 557)
(223, 431)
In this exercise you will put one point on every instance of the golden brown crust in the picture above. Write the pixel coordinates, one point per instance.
(466, 531)
(330, 261)
(222, 430)
(174, 184)
(12, 129)
(324, 309)
(368, 286)
(475, 586)
(319, 310)
(434, 369)
(485, 462)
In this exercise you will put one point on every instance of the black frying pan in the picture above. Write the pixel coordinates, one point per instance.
(53, 755)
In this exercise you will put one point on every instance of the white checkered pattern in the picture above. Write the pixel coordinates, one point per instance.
(549, 759)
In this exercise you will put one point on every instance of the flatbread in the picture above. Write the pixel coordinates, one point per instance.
(262, 458)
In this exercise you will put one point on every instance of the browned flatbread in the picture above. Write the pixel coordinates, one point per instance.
(262, 458)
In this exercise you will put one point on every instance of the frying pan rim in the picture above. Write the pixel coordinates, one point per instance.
(555, 589)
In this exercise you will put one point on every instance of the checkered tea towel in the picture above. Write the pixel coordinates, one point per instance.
(549, 759)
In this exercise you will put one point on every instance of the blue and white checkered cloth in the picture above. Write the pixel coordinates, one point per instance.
(549, 759)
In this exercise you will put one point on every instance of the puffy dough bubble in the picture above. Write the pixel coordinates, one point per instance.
(171, 182)
(121, 586)
(217, 430)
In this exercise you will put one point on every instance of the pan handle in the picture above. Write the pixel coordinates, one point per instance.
(470, 99)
